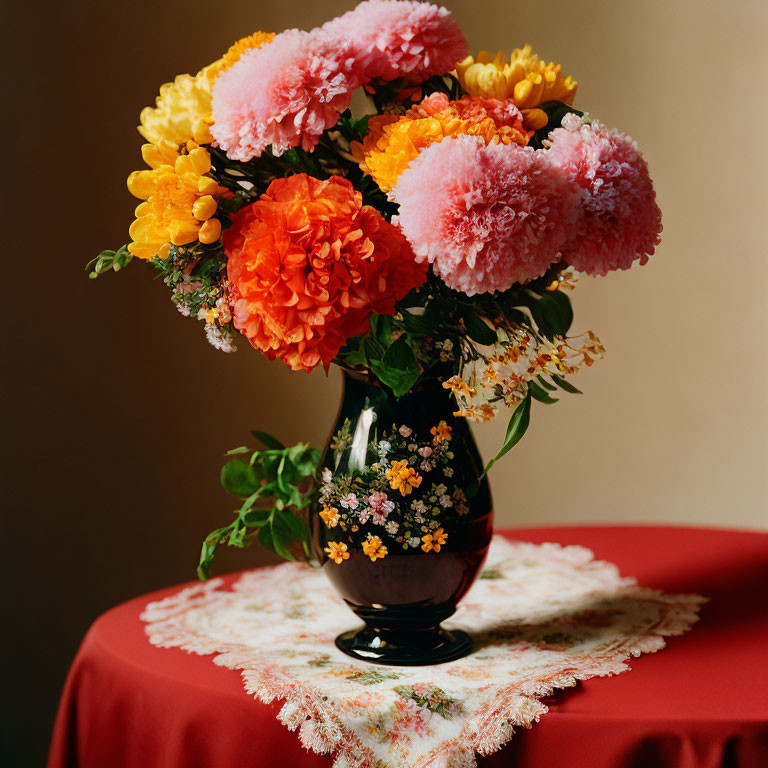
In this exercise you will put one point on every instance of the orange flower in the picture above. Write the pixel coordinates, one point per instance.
(402, 477)
(432, 542)
(374, 548)
(337, 551)
(393, 142)
(330, 516)
(441, 433)
(308, 263)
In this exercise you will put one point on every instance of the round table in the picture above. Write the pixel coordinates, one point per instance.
(701, 702)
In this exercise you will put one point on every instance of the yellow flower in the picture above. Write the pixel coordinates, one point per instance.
(180, 200)
(524, 78)
(432, 542)
(337, 551)
(402, 477)
(374, 548)
(392, 142)
(441, 433)
(330, 516)
(182, 111)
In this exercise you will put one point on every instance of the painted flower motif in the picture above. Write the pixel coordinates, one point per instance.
(445, 501)
(405, 431)
(381, 503)
(441, 433)
(448, 471)
(330, 516)
(425, 451)
(439, 490)
(374, 548)
(308, 263)
(427, 465)
(391, 527)
(433, 542)
(402, 477)
(364, 515)
(414, 542)
(337, 551)
(349, 501)
(418, 506)
(383, 449)
(327, 475)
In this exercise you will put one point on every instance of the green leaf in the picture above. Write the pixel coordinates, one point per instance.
(267, 440)
(544, 383)
(478, 330)
(553, 313)
(566, 385)
(538, 393)
(518, 424)
(255, 518)
(239, 478)
(399, 370)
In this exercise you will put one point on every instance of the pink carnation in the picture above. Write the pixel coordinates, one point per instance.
(485, 216)
(284, 94)
(392, 39)
(621, 222)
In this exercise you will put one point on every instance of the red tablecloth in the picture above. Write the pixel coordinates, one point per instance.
(703, 701)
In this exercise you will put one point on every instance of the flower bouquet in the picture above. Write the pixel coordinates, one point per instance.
(369, 195)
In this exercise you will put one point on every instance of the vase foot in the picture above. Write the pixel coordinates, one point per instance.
(405, 649)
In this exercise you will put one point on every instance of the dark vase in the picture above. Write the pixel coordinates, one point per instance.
(403, 523)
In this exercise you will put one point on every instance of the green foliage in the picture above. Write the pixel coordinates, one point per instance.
(275, 486)
(106, 260)
(556, 111)
(517, 427)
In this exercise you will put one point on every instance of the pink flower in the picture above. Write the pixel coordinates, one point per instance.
(485, 217)
(380, 504)
(392, 39)
(621, 221)
(284, 94)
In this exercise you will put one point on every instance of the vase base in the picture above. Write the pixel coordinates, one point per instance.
(405, 649)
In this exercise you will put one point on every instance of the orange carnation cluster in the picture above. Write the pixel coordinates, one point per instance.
(392, 142)
(308, 263)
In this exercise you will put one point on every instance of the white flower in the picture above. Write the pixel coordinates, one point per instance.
(349, 501)
(439, 490)
(445, 501)
(327, 475)
(418, 506)
(384, 448)
(405, 431)
(391, 527)
(425, 451)
(414, 541)
(379, 518)
(364, 515)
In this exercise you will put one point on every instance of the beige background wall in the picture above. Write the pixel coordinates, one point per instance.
(117, 413)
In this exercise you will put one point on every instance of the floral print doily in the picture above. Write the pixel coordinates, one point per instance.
(542, 617)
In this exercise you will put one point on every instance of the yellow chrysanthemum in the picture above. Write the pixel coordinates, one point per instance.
(182, 111)
(179, 199)
(525, 78)
(392, 142)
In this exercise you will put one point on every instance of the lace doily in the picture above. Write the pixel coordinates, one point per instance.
(542, 617)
